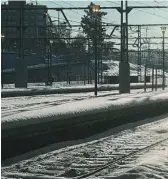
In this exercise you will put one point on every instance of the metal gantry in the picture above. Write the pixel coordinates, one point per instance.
(124, 32)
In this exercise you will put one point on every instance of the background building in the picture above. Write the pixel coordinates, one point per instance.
(33, 21)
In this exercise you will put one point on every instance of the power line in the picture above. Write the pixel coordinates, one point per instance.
(161, 4)
(73, 6)
(113, 2)
(64, 19)
(150, 12)
(62, 6)
(57, 17)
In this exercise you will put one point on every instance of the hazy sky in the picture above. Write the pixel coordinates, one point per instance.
(136, 16)
(139, 16)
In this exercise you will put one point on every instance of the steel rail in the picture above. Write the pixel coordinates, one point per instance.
(120, 159)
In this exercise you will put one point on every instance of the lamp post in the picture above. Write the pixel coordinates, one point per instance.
(163, 29)
(2, 80)
(50, 63)
(95, 10)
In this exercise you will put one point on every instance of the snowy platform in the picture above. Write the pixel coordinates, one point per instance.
(80, 108)
(41, 127)
(61, 88)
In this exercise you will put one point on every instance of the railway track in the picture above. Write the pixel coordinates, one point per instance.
(92, 158)
(37, 106)
(122, 158)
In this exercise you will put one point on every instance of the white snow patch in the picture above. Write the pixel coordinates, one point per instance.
(151, 164)
(113, 69)
(79, 108)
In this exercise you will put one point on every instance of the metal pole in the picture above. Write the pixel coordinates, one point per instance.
(46, 48)
(121, 50)
(98, 66)
(20, 34)
(145, 78)
(163, 85)
(2, 73)
(2, 79)
(101, 70)
(152, 78)
(139, 53)
(48, 66)
(156, 81)
(58, 21)
(127, 30)
(88, 72)
(69, 62)
(88, 61)
(95, 47)
(84, 74)
(51, 64)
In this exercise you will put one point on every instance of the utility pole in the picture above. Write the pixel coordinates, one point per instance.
(58, 21)
(95, 52)
(163, 86)
(152, 77)
(37, 43)
(47, 47)
(163, 29)
(148, 47)
(2, 60)
(21, 66)
(95, 9)
(124, 68)
(101, 68)
(68, 59)
(48, 63)
(45, 44)
(156, 78)
(139, 53)
(145, 77)
(88, 69)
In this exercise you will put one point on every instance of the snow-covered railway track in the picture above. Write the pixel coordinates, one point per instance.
(31, 108)
(35, 106)
(112, 163)
(95, 158)
(44, 104)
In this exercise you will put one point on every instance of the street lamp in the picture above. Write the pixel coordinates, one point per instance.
(95, 10)
(163, 29)
(2, 39)
(50, 62)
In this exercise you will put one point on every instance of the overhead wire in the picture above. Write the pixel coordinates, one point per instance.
(62, 6)
(150, 12)
(161, 4)
(73, 6)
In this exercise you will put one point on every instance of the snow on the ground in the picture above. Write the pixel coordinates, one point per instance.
(62, 85)
(113, 69)
(59, 86)
(15, 104)
(71, 159)
(79, 108)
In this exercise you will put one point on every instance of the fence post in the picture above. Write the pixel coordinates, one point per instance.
(145, 78)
